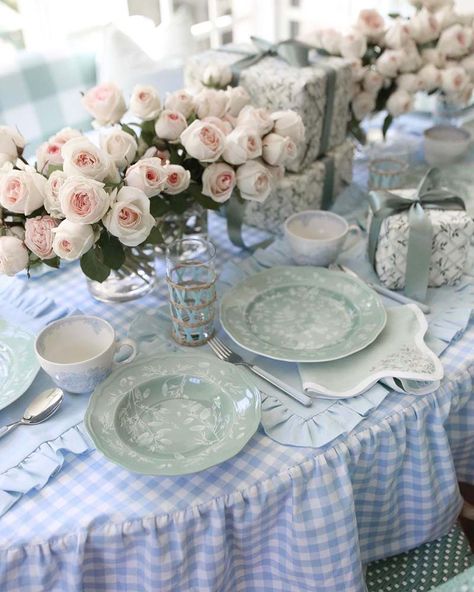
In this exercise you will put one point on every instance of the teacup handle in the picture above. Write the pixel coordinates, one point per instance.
(350, 241)
(128, 343)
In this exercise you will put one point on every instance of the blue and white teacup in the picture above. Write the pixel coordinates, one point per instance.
(78, 352)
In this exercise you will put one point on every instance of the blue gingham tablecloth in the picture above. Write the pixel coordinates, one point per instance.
(273, 518)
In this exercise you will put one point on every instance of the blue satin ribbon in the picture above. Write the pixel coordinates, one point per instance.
(420, 231)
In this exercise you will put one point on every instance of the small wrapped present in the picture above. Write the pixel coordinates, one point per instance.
(419, 237)
(320, 92)
(312, 190)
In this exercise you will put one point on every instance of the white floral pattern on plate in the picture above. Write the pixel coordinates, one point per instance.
(302, 314)
(173, 414)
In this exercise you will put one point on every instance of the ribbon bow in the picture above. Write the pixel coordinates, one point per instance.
(420, 231)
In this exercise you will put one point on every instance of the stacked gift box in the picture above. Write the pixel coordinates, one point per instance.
(320, 93)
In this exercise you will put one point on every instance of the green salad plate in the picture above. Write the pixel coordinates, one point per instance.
(302, 314)
(173, 414)
(18, 362)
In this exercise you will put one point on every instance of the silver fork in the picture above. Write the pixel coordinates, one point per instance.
(227, 355)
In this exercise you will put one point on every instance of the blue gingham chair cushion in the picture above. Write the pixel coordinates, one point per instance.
(40, 94)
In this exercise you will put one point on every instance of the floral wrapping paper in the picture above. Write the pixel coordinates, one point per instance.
(452, 233)
(274, 84)
(301, 191)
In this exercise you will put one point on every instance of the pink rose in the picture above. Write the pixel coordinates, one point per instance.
(163, 155)
(177, 179)
(238, 98)
(455, 41)
(218, 181)
(454, 80)
(83, 200)
(170, 125)
(22, 192)
(67, 133)
(145, 102)
(209, 101)
(51, 199)
(278, 149)
(82, 158)
(48, 153)
(203, 141)
(259, 120)
(254, 181)
(11, 144)
(105, 103)
(72, 240)
(241, 145)
(223, 125)
(180, 101)
(148, 175)
(38, 236)
(129, 217)
(370, 22)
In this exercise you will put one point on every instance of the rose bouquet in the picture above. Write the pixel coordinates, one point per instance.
(89, 202)
(432, 51)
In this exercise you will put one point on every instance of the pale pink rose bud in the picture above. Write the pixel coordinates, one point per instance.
(430, 77)
(388, 64)
(410, 82)
(22, 192)
(181, 101)
(82, 157)
(399, 102)
(258, 119)
(72, 240)
(51, 199)
(398, 34)
(209, 101)
(105, 103)
(373, 82)
(424, 26)
(278, 149)
(433, 56)
(48, 153)
(223, 125)
(65, 134)
(148, 175)
(129, 217)
(203, 141)
(455, 41)
(241, 145)
(83, 200)
(238, 98)
(163, 155)
(11, 144)
(145, 102)
(218, 181)
(38, 236)
(177, 179)
(370, 22)
(288, 123)
(254, 181)
(120, 146)
(330, 41)
(170, 125)
(217, 75)
(454, 80)
(13, 255)
(363, 104)
(353, 45)
(410, 58)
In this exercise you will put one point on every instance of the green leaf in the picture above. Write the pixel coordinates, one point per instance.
(53, 262)
(155, 237)
(112, 251)
(394, 15)
(93, 267)
(387, 122)
(207, 202)
(54, 167)
(126, 128)
(158, 206)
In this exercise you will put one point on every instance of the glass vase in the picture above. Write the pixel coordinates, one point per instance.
(192, 222)
(134, 279)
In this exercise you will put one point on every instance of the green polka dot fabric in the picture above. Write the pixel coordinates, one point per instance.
(423, 568)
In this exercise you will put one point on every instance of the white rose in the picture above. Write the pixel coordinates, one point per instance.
(83, 200)
(409, 82)
(48, 153)
(170, 125)
(433, 56)
(145, 102)
(217, 75)
(148, 175)
(242, 144)
(363, 104)
(177, 179)
(218, 181)
(278, 149)
(256, 118)
(129, 217)
(51, 199)
(237, 97)
(454, 80)
(13, 255)
(424, 26)
(22, 192)
(353, 45)
(455, 41)
(105, 103)
(72, 240)
(209, 101)
(398, 34)
(358, 70)
(181, 101)
(82, 157)
(224, 125)
(203, 141)
(468, 65)
(330, 41)
(11, 144)
(65, 134)
(254, 181)
(430, 77)
(410, 58)
(370, 22)
(373, 81)
(120, 146)
(389, 63)
(288, 123)
(399, 102)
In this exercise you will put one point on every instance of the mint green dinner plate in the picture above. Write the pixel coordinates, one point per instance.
(18, 362)
(302, 314)
(173, 414)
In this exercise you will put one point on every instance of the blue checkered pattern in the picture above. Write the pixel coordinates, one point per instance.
(41, 94)
(271, 519)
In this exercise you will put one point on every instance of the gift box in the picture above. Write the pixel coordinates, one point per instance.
(436, 225)
(320, 93)
(315, 188)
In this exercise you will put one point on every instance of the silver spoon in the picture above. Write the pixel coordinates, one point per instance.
(40, 409)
